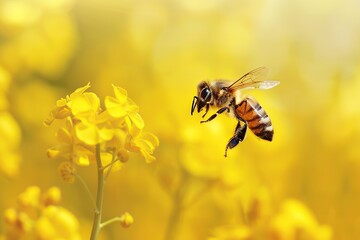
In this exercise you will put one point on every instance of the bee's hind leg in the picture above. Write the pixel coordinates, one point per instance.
(239, 136)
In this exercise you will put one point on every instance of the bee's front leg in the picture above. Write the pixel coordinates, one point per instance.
(221, 110)
(206, 110)
(239, 136)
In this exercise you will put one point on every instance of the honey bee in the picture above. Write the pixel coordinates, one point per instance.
(226, 97)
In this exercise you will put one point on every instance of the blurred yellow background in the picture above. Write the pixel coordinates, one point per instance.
(158, 51)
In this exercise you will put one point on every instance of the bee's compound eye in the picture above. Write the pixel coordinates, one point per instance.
(205, 94)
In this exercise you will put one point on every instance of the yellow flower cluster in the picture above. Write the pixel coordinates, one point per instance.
(117, 129)
(292, 221)
(9, 131)
(29, 31)
(38, 216)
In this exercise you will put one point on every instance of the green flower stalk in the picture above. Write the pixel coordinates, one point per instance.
(105, 137)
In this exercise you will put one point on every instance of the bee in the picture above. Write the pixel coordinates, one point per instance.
(226, 97)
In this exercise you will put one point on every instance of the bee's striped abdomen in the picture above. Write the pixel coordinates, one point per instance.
(255, 116)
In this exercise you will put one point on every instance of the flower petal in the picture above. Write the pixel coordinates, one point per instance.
(86, 104)
(61, 150)
(63, 135)
(61, 102)
(106, 133)
(79, 91)
(151, 138)
(81, 159)
(49, 120)
(148, 157)
(87, 133)
(120, 94)
(137, 120)
(114, 107)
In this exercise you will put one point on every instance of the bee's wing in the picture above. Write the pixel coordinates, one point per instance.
(253, 79)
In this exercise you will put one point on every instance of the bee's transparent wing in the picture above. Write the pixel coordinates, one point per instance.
(253, 79)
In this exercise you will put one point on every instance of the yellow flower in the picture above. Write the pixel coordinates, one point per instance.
(93, 126)
(103, 135)
(144, 143)
(48, 222)
(295, 221)
(30, 198)
(259, 209)
(30, 30)
(92, 133)
(10, 135)
(232, 232)
(122, 107)
(62, 108)
(70, 147)
(10, 138)
(57, 223)
(19, 222)
(85, 105)
(51, 197)
(118, 128)
(5, 80)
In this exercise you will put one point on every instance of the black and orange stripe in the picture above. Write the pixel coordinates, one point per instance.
(255, 116)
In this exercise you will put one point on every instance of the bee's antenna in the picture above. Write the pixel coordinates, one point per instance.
(194, 103)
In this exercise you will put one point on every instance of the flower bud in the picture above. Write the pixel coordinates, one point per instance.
(67, 172)
(126, 220)
(123, 155)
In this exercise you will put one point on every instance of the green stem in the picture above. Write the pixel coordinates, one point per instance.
(87, 190)
(173, 221)
(115, 219)
(99, 196)
(108, 165)
(113, 160)
(243, 215)
(177, 208)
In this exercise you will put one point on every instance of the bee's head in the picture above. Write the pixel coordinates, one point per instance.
(203, 97)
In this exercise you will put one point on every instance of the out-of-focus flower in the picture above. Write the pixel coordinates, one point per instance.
(36, 217)
(5, 80)
(10, 135)
(57, 222)
(29, 199)
(51, 197)
(9, 144)
(294, 221)
(232, 233)
(31, 41)
(117, 129)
